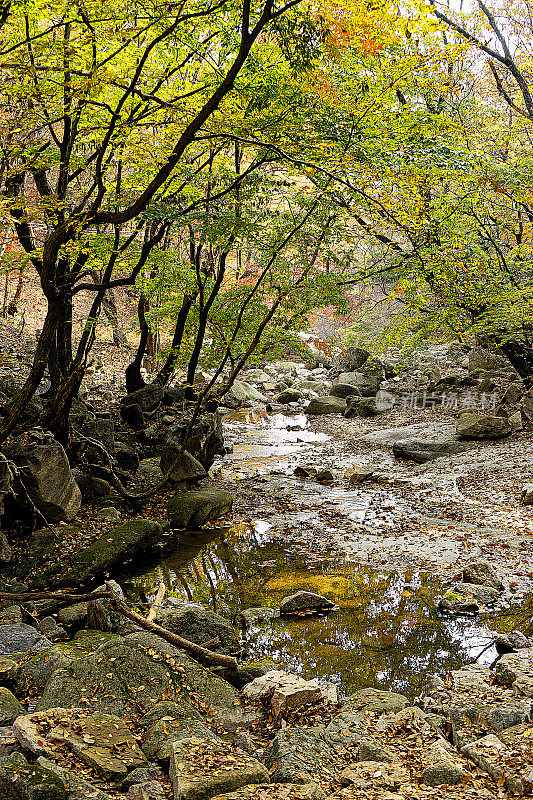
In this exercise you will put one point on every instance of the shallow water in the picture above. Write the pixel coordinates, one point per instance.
(387, 631)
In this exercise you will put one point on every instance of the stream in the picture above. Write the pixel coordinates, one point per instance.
(294, 533)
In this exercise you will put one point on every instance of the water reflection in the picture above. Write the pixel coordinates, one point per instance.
(387, 632)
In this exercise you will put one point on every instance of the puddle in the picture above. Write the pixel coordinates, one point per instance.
(387, 632)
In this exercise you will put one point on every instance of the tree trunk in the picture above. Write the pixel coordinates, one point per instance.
(134, 379)
(168, 367)
(520, 356)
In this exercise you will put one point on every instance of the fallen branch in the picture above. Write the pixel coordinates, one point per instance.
(156, 605)
(200, 653)
(22, 597)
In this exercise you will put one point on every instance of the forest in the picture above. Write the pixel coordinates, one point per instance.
(266, 399)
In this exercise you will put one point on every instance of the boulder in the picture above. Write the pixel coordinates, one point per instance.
(283, 690)
(298, 755)
(185, 468)
(422, 450)
(20, 638)
(151, 790)
(202, 768)
(326, 405)
(257, 615)
(240, 394)
(200, 625)
(22, 781)
(483, 360)
(5, 549)
(376, 700)
(46, 474)
(526, 497)
(482, 594)
(289, 396)
(91, 488)
(527, 405)
(476, 425)
(78, 788)
(374, 775)
(127, 458)
(344, 390)
(205, 439)
(167, 723)
(114, 547)
(482, 574)
(365, 407)
(102, 616)
(147, 399)
(132, 416)
(305, 601)
(10, 708)
(516, 670)
(491, 755)
(194, 509)
(351, 359)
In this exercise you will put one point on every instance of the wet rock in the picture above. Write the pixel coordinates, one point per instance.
(240, 394)
(201, 626)
(483, 574)
(289, 396)
(185, 468)
(201, 768)
(442, 767)
(147, 399)
(455, 603)
(516, 670)
(477, 425)
(374, 774)
(305, 601)
(365, 407)
(255, 616)
(10, 708)
(116, 546)
(302, 471)
(326, 405)
(351, 359)
(422, 450)
(29, 782)
(46, 474)
(296, 755)
(20, 638)
(194, 509)
(482, 594)
(510, 642)
(375, 700)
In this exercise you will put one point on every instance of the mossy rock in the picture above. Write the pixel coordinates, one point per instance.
(114, 547)
(194, 509)
(10, 708)
(30, 782)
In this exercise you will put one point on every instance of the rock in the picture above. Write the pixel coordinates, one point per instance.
(482, 574)
(6, 481)
(167, 723)
(125, 666)
(46, 475)
(141, 775)
(29, 782)
(49, 628)
(184, 466)
(344, 390)
(296, 755)
(284, 691)
(305, 601)
(365, 407)
(91, 488)
(369, 382)
(5, 549)
(10, 615)
(73, 615)
(289, 396)
(200, 625)
(10, 671)
(516, 422)
(326, 405)
(151, 790)
(201, 768)
(442, 768)
(102, 741)
(20, 638)
(255, 616)
(476, 425)
(277, 791)
(78, 788)
(147, 399)
(205, 439)
(242, 393)
(484, 360)
(370, 750)
(194, 509)
(351, 359)
(374, 774)
(526, 498)
(527, 405)
(490, 754)
(375, 700)
(127, 458)
(482, 594)
(516, 670)
(102, 616)
(498, 717)
(117, 546)
(422, 450)
(10, 708)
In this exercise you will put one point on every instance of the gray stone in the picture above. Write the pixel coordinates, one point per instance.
(482, 574)
(289, 396)
(202, 768)
(344, 390)
(375, 700)
(370, 750)
(73, 615)
(151, 790)
(296, 755)
(141, 775)
(20, 638)
(91, 488)
(46, 473)
(477, 425)
(526, 498)
(10, 615)
(242, 393)
(455, 603)
(49, 628)
(351, 359)
(78, 788)
(147, 398)
(205, 438)
(482, 594)
(10, 708)
(200, 625)
(194, 509)
(5, 549)
(490, 754)
(374, 774)
(305, 601)
(183, 465)
(256, 616)
(326, 405)
(422, 450)
(102, 616)
(442, 767)
(485, 360)
(365, 407)
(516, 670)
